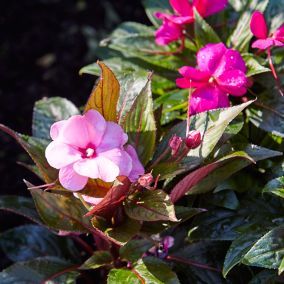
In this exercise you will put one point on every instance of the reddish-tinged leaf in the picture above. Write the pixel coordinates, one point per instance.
(114, 197)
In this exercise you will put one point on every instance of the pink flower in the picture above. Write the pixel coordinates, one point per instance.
(259, 28)
(193, 139)
(87, 146)
(220, 71)
(173, 25)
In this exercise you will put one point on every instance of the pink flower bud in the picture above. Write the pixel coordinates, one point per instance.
(193, 139)
(146, 180)
(175, 144)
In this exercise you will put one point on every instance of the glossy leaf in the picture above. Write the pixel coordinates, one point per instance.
(105, 94)
(268, 251)
(98, 259)
(151, 205)
(275, 186)
(122, 276)
(30, 241)
(134, 249)
(254, 64)
(49, 110)
(140, 124)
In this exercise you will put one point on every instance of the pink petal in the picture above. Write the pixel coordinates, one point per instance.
(59, 155)
(209, 7)
(98, 167)
(71, 180)
(233, 82)
(120, 158)
(114, 137)
(182, 7)
(179, 20)
(278, 43)
(207, 98)
(97, 126)
(89, 199)
(263, 43)
(137, 168)
(168, 33)
(258, 25)
(209, 56)
(56, 128)
(279, 34)
(184, 83)
(231, 60)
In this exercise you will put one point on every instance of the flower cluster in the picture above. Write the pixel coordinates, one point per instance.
(87, 146)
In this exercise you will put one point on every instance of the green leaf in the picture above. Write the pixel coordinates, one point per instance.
(268, 251)
(98, 259)
(39, 270)
(49, 110)
(122, 276)
(150, 205)
(265, 277)
(105, 94)
(61, 212)
(203, 32)
(281, 267)
(154, 6)
(226, 198)
(239, 247)
(31, 241)
(275, 186)
(134, 249)
(140, 124)
(254, 64)
(211, 124)
(35, 147)
(242, 35)
(20, 205)
(154, 271)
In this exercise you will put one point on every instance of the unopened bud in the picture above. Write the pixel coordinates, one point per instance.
(175, 144)
(146, 180)
(193, 139)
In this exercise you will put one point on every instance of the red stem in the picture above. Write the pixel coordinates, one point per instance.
(68, 269)
(83, 244)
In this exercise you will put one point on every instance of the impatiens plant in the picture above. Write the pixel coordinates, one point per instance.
(173, 170)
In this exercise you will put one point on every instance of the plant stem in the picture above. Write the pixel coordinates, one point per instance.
(83, 244)
(68, 269)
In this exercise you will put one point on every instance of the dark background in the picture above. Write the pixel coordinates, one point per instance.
(43, 44)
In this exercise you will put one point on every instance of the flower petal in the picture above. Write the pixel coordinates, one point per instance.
(114, 137)
(233, 82)
(168, 33)
(179, 20)
(208, 57)
(56, 128)
(71, 180)
(59, 155)
(209, 7)
(231, 60)
(137, 168)
(263, 43)
(279, 34)
(89, 199)
(258, 25)
(207, 98)
(182, 7)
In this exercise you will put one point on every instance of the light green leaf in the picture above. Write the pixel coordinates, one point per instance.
(254, 64)
(122, 276)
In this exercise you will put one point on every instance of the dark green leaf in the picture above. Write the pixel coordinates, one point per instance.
(31, 241)
(226, 198)
(151, 205)
(49, 110)
(265, 277)
(134, 249)
(98, 259)
(275, 186)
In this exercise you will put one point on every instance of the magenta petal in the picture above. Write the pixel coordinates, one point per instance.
(59, 155)
(71, 180)
(263, 43)
(194, 74)
(182, 7)
(209, 56)
(279, 34)
(137, 168)
(209, 7)
(168, 33)
(56, 128)
(233, 82)
(258, 25)
(207, 98)
(231, 60)
(183, 83)
(114, 137)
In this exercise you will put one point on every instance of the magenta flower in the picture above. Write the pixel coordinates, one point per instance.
(220, 71)
(87, 146)
(259, 29)
(173, 25)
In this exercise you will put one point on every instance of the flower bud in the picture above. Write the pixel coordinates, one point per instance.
(193, 139)
(175, 144)
(146, 180)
